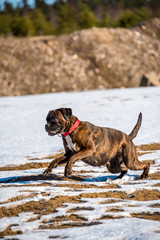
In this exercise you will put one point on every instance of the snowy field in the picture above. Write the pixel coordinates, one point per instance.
(91, 204)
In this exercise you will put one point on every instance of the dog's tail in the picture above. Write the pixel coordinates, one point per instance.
(134, 132)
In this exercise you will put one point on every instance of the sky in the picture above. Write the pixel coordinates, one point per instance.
(16, 2)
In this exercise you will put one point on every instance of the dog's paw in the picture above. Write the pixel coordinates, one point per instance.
(67, 172)
(143, 176)
(47, 172)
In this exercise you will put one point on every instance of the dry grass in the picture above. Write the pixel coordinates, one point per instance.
(110, 193)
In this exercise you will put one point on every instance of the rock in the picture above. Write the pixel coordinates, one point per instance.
(150, 79)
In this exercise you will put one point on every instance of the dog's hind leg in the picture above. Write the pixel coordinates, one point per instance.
(131, 161)
(137, 165)
(114, 165)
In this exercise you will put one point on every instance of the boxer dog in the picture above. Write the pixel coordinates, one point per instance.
(93, 145)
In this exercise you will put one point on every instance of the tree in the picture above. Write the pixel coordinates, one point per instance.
(86, 17)
(22, 26)
(130, 19)
(143, 14)
(67, 19)
(106, 22)
(126, 20)
(44, 7)
(4, 25)
(8, 9)
(40, 24)
(25, 7)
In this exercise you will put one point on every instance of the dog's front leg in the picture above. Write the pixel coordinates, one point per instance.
(54, 164)
(80, 155)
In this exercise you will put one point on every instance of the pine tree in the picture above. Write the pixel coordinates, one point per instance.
(22, 26)
(67, 19)
(86, 17)
(40, 24)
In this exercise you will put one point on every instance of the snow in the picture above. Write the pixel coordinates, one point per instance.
(22, 119)
(119, 229)
(23, 137)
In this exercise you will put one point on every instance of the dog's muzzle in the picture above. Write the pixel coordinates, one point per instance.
(52, 132)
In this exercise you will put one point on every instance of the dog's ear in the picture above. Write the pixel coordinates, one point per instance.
(67, 113)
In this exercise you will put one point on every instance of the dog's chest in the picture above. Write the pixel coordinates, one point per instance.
(70, 144)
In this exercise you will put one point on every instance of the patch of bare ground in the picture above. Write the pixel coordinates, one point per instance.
(39, 207)
(80, 209)
(112, 194)
(157, 185)
(117, 209)
(150, 216)
(143, 152)
(44, 184)
(139, 195)
(107, 217)
(80, 186)
(108, 201)
(55, 237)
(32, 219)
(72, 217)
(155, 176)
(61, 225)
(145, 195)
(149, 147)
(9, 231)
(18, 198)
(157, 205)
(31, 165)
(24, 166)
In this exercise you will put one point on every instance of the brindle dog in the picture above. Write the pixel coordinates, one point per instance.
(94, 145)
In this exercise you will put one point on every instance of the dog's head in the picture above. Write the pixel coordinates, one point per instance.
(57, 121)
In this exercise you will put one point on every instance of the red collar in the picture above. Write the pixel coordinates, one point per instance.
(72, 128)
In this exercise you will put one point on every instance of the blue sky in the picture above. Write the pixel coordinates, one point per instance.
(16, 2)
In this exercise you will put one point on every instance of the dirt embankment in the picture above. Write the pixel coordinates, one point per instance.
(96, 58)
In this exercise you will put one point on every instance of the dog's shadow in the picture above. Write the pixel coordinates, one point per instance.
(40, 177)
(30, 178)
(54, 177)
(100, 179)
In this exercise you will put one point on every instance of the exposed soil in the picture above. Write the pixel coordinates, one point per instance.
(96, 58)
(151, 216)
(76, 193)
(145, 195)
(31, 164)
(156, 176)
(149, 147)
(38, 207)
(68, 225)
(9, 232)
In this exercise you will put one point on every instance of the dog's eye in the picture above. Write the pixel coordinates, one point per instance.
(55, 120)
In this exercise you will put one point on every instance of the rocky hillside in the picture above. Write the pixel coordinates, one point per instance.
(96, 58)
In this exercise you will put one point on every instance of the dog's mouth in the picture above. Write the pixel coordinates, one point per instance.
(52, 133)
